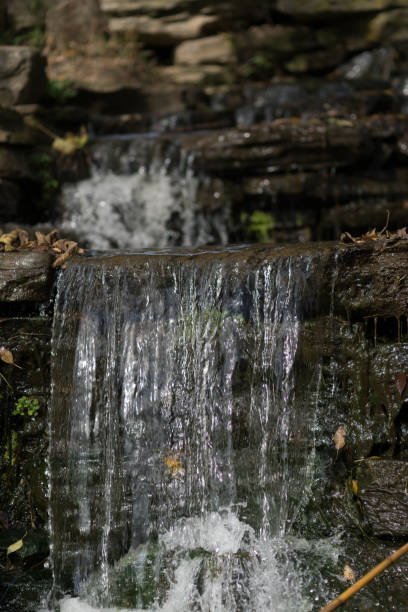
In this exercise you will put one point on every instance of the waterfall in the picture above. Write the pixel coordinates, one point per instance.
(143, 192)
(182, 437)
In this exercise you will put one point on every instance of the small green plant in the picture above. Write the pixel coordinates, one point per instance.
(26, 406)
(61, 90)
(260, 225)
(258, 67)
(11, 448)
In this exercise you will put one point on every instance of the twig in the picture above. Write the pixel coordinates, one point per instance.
(386, 224)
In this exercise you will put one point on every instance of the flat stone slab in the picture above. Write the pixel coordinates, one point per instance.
(383, 493)
(25, 276)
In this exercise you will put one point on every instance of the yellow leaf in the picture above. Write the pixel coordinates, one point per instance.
(14, 547)
(41, 239)
(174, 464)
(354, 487)
(349, 574)
(339, 438)
(7, 239)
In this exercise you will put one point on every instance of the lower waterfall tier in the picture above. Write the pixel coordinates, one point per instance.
(195, 398)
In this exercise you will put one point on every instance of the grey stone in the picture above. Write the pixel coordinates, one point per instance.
(22, 75)
(25, 276)
(21, 15)
(162, 32)
(209, 50)
(73, 22)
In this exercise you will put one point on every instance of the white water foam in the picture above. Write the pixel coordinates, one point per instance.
(275, 584)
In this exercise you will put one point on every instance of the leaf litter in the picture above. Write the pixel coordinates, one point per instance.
(19, 239)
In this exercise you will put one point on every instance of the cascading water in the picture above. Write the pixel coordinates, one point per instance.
(181, 449)
(144, 192)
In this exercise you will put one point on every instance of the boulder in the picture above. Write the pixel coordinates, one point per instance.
(25, 277)
(22, 75)
(23, 15)
(73, 22)
(99, 74)
(165, 32)
(383, 496)
(210, 50)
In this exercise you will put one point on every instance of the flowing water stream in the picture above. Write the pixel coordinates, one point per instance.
(182, 433)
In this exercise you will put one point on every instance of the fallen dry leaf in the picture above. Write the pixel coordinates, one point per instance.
(354, 487)
(19, 238)
(348, 573)
(174, 464)
(41, 239)
(15, 546)
(339, 438)
(7, 357)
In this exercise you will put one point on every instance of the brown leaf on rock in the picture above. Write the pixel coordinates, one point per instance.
(347, 238)
(348, 573)
(19, 238)
(7, 239)
(52, 236)
(15, 546)
(401, 382)
(41, 239)
(72, 248)
(7, 357)
(371, 235)
(339, 438)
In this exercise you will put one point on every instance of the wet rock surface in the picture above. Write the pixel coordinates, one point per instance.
(25, 277)
(23, 444)
(382, 494)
